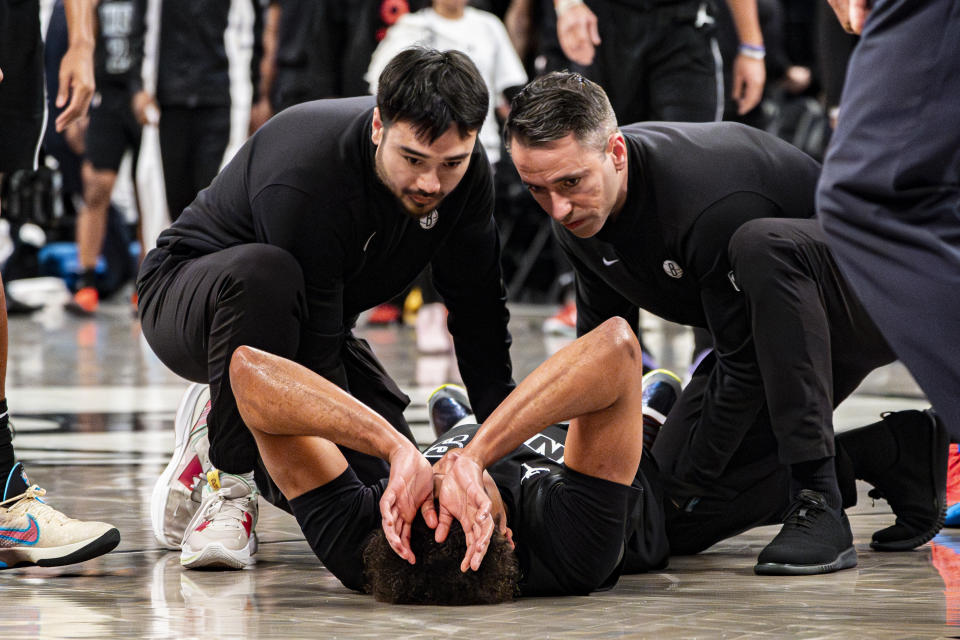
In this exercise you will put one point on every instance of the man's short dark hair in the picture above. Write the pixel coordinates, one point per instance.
(431, 90)
(554, 106)
(436, 577)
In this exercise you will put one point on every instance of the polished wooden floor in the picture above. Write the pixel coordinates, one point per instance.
(94, 412)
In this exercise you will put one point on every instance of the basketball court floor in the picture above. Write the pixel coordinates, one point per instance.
(94, 410)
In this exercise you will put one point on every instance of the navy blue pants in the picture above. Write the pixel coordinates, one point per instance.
(889, 196)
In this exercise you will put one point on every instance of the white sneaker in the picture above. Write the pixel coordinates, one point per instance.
(34, 533)
(563, 322)
(176, 494)
(432, 334)
(221, 533)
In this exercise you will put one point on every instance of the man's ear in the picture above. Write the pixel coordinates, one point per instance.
(376, 127)
(617, 147)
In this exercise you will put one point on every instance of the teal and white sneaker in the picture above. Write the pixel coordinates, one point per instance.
(34, 533)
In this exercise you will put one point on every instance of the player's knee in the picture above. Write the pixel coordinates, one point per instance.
(97, 193)
(621, 341)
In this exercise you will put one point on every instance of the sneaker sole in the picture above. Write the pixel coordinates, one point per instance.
(77, 310)
(216, 556)
(938, 475)
(846, 560)
(59, 556)
(161, 490)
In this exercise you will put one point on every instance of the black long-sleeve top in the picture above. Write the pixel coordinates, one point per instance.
(306, 182)
(691, 186)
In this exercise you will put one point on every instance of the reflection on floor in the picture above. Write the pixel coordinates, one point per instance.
(94, 410)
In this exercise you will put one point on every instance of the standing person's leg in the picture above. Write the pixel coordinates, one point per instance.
(890, 188)
(111, 132)
(684, 69)
(176, 155)
(619, 64)
(91, 226)
(7, 457)
(49, 537)
(210, 128)
(194, 315)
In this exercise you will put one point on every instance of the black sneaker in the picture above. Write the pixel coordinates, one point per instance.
(447, 406)
(814, 539)
(661, 388)
(916, 485)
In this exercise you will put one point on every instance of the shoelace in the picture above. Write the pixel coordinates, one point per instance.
(804, 511)
(229, 507)
(32, 492)
(29, 501)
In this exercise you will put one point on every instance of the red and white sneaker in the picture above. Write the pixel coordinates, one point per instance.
(563, 322)
(221, 533)
(176, 494)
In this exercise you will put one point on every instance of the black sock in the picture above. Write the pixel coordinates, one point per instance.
(7, 458)
(87, 278)
(818, 475)
(872, 449)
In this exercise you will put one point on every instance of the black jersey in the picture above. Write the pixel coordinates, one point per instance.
(117, 51)
(193, 69)
(526, 477)
(306, 182)
(691, 186)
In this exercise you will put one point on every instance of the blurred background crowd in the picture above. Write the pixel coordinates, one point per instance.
(182, 83)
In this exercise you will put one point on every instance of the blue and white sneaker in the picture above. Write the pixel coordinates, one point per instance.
(661, 389)
(448, 405)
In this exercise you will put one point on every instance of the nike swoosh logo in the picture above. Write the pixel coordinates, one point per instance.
(29, 536)
(607, 263)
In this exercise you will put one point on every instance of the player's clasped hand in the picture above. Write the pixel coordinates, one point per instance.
(462, 496)
(409, 489)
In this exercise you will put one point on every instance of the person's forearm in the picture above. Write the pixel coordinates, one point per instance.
(80, 19)
(746, 21)
(268, 65)
(583, 377)
(280, 397)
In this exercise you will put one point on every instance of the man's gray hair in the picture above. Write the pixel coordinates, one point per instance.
(556, 105)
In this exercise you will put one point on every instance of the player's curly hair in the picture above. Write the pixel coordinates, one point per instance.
(436, 577)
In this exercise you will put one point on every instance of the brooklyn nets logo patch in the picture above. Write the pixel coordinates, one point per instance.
(429, 221)
(672, 269)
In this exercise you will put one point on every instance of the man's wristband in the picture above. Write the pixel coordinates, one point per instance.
(562, 6)
(755, 51)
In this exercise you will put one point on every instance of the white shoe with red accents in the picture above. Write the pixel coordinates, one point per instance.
(222, 532)
(176, 494)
